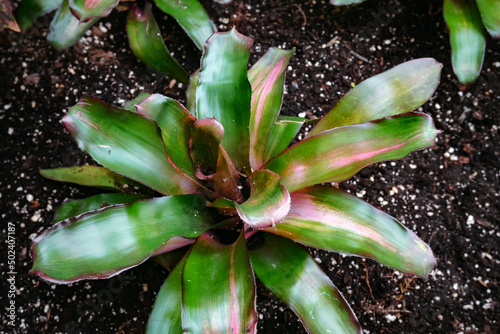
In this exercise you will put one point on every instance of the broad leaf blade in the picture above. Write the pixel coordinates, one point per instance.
(191, 93)
(125, 143)
(328, 218)
(204, 142)
(267, 78)
(65, 29)
(147, 44)
(399, 90)
(466, 37)
(490, 14)
(226, 178)
(105, 242)
(192, 17)
(269, 201)
(218, 288)
(130, 105)
(224, 92)
(336, 155)
(290, 273)
(7, 19)
(30, 10)
(345, 2)
(85, 10)
(91, 176)
(79, 206)
(282, 134)
(166, 315)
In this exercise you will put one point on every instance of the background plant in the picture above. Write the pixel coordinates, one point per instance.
(224, 185)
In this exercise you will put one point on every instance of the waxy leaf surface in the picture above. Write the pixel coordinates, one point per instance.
(30, 10)
(105, 242)
(282, 134)
(79, 206)
(267, 78)
(147, 43)
(85, 10)
(191, 93)
(290, 273)
(490, 14)
(466, 37)
(166, 315)
(399, 90)
(218, 288)
(126, 143)
(192, 17)
(268, 203)
(327, 218)
(130, 105)
(204, 143)
(91, 176)
(224, 92)
(336, 155)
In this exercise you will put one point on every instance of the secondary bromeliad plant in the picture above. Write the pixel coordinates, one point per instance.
(232, 201)
(74, 17)
(467, 20)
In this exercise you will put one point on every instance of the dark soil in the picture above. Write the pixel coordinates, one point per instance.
(449, 195)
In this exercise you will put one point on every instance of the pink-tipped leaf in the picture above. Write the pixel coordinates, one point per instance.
(85, 10)
(290, 273)
(336, 155)
(7, 19)
(325, 217)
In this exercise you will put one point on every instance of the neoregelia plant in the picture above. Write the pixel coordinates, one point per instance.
(74, 17)
(223, 184)
(466, 20)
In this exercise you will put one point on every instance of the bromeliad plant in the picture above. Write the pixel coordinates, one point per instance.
(232, 201)
(466, 20)
(74, 17)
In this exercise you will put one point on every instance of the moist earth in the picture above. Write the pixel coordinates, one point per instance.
(448, 194)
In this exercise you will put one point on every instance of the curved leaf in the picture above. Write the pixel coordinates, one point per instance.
(147, 44)
(126, 143)
(490, 14)
(218, 288)
(290, 273)
(345, 2)
(336, 155)
(30, 10)
(166, 315)
(79, 206)
(105, 242)
(7, 19)
(224, 92)
(328, 218)
(282, 134)
(130, 105)
(85, 10)
(65, 29)
(267, 78)
(204, 142)
(399, 90)
(268, 203)
(466, 37)
(92, 176)
(191, 93)
(192, 17)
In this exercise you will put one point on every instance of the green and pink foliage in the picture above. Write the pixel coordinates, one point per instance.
(228, 201)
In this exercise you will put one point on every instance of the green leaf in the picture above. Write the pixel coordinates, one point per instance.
(204, 143)
(327, 218)
(166, 315)
(268, 203)
(345, 2)
(130, 105)
(267, 78)
(218, 288)
(224, 92)
(290, 273)
(85, 10)
(192, 17)
(336, 155)
(91, 176)
(490, 14)
(147, 44)
(30, 10)
(7, 19)
(126, 143)
(170, 259)
(65, 29)
(399, 90)
(79, 206)
(191, 93)
(466, 37)
(282, 134)
(105, 242)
